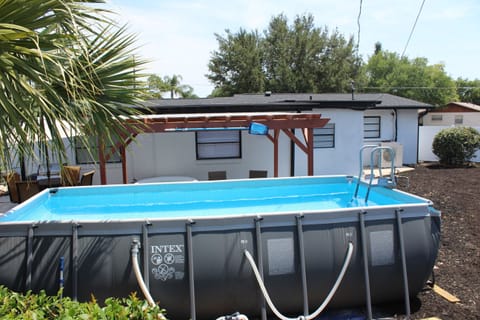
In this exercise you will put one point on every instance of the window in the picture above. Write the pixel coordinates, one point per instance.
(437, 117)
(371, 127)
(222, 144)
(324, 137)
(459, 119)
(85, 156)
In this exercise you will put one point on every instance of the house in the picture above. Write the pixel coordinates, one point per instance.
(453, 114)
(192, 137)
(353, 121)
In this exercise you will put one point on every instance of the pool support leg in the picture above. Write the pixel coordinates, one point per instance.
(28, 277)
(146, 278)
(191, 277)
(258, 236)
(398, 213)
(363, 237)
(301, 253)
(74, 261)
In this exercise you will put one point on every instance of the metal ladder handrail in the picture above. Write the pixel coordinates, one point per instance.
(375, 149)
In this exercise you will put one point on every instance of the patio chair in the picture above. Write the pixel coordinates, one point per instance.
(217, 175)
(87, 178)
(27, 189)
(11, 178)
(257, 173)
(70, 175)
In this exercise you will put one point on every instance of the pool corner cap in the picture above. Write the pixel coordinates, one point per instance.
(256, 128)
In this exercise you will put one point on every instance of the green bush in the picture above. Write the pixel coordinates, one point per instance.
(456, 146)
(40, 306)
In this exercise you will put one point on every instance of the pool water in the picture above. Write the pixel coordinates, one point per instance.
(201, 199)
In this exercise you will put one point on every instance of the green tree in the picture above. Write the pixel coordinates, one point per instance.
(236, 67)
(62, 60)
(469, 90)
(410, 78)
(174, 87)
(155, 86)
(286, 58)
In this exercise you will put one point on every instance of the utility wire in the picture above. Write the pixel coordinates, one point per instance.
(413, 28)
(358, 24)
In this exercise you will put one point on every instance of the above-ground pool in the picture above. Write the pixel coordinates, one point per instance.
(306, 235)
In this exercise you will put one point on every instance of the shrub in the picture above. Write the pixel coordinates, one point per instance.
(456, 146)
(40, 306)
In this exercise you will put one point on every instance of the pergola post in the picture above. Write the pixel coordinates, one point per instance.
(101, 158)
(275, 152)
(309, 142)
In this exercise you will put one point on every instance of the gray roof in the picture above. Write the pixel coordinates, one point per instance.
(284, 102)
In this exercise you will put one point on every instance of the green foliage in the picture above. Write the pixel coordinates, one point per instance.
(172, 85)
(40, 306)
(469, 90)
(287, 58)
(456, 146)
(410, 78)
(62, 60)
(237, 65)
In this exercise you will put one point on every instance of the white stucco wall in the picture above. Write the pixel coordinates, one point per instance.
(407, 134)
(343, 158)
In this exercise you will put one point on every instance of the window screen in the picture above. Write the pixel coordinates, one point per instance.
(324, 137)
(218, 144)
(371, 127)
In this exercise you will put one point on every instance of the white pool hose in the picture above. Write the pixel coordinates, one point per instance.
(136, 269)
(329, 297)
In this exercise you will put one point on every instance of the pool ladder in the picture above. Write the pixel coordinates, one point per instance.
(388, 182)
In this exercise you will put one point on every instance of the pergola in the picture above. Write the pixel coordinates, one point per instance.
(275, 121)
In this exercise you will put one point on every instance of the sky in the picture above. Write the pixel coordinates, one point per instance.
(178, 36)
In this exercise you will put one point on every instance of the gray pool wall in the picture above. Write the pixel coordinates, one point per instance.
(98, 263)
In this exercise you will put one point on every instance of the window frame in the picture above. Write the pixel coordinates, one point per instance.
(321, 132)
(237, 142)
(437, 117)
(458, 119)
(80, 147)
(379, 125)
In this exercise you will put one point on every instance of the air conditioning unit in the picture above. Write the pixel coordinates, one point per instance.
(386, 160)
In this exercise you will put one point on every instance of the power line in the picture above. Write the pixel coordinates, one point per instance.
(413, 28)
(430, 88)
(358, 24)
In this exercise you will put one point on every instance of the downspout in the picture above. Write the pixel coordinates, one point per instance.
(395, 129)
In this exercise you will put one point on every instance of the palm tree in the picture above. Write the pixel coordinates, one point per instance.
(172, 85)
(62, 60)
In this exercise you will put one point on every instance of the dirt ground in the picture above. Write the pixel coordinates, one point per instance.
(456, 193)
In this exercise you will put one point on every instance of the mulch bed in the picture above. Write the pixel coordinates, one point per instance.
(456, 193)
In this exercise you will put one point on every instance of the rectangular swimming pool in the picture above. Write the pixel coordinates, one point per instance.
(195, 239)
(203, 199)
